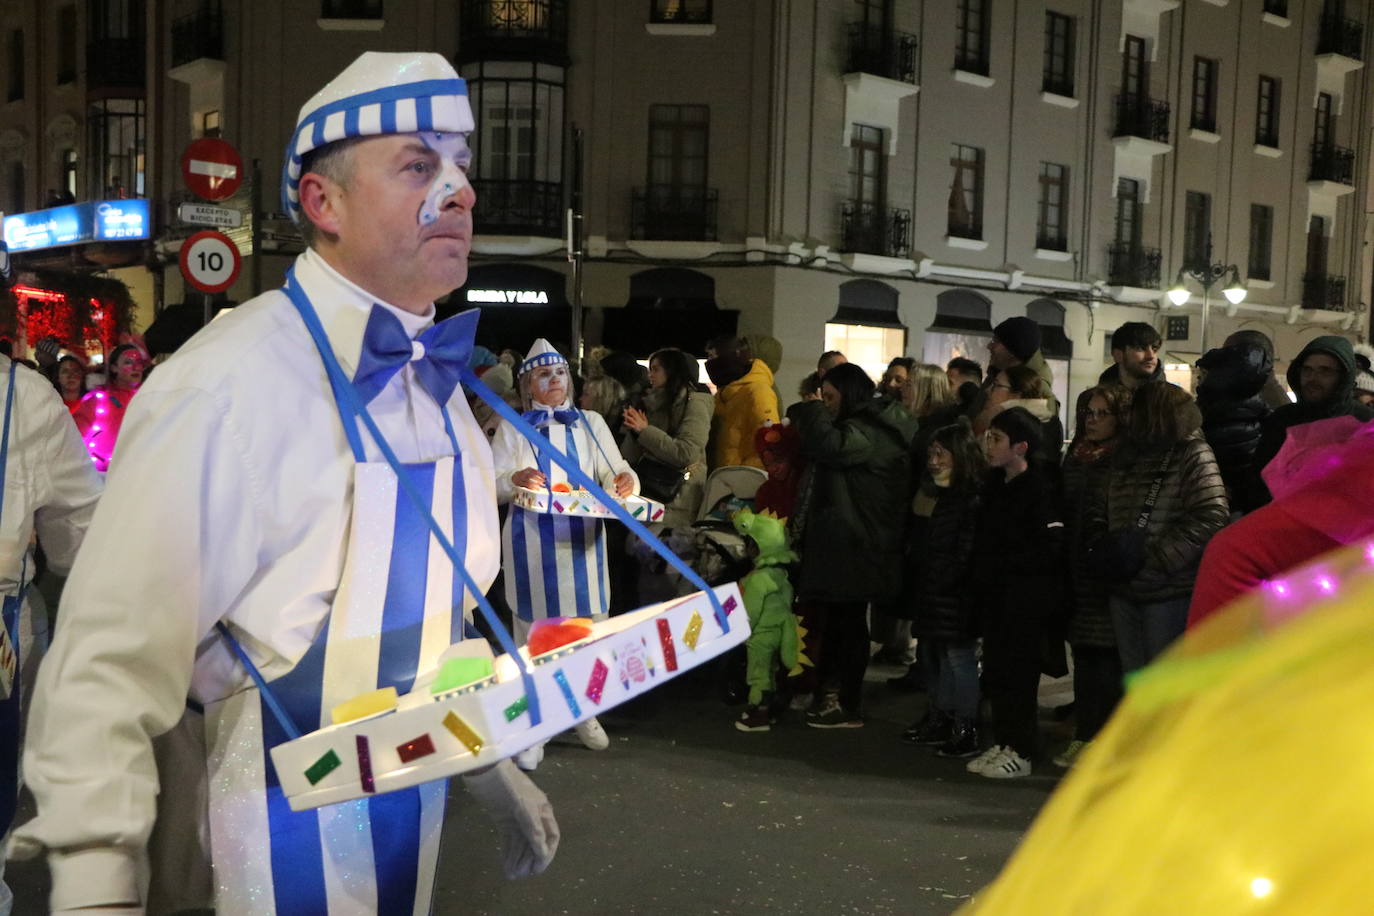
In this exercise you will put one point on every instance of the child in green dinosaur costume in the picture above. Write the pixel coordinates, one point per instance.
(768, 601)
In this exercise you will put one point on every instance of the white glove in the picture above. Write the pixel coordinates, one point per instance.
(522, 813)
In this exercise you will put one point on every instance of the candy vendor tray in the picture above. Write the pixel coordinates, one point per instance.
(445, 726)
(583, 503)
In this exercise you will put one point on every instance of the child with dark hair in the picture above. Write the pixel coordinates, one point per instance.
(1016, 564)
(940, 551)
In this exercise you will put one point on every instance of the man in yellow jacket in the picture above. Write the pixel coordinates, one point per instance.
(745, 398)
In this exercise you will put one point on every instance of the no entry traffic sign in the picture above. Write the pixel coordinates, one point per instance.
(212, 168)
(210, 261)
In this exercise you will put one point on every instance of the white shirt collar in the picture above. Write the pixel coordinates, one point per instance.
(344, 307)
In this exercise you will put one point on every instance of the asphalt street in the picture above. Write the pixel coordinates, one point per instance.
(684, 814)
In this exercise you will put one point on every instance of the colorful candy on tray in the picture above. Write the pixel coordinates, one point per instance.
(562, 499)
(472, 709)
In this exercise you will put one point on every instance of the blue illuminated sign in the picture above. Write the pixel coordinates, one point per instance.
(92, 221)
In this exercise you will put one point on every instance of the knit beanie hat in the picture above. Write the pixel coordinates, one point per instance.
(1019, 335)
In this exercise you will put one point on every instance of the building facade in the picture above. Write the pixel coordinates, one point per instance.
(885, 176)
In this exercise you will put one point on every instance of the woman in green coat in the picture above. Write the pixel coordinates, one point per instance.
(672, 428)
(859, 449)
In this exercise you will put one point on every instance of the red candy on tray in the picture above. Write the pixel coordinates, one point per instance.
(556, 632)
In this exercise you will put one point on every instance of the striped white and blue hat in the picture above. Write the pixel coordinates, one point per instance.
(541, 354)
(377, 94)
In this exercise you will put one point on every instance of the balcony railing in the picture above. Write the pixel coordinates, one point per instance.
(1341, 36)
(1276, 8)
(673, 213)
(870, 228)
(520, 207)
(882, 52)
(1052, 241)
(1332, 163)
(198, 35)
(115, 63)
(1142, 116)
(1323, 291)
(680, 12)
(535, 30)
(1133, 265)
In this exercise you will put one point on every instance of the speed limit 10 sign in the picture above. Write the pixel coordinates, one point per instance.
(210, 261)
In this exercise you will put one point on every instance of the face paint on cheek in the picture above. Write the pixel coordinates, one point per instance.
(551, 389)
(450, 179)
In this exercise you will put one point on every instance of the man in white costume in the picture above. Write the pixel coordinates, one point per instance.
(49, 486)
(555, 566)
(249, 508)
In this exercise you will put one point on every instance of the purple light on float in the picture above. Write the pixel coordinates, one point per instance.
(1278, 588)
(100, 395)
(1369, 551)
(1325, 584)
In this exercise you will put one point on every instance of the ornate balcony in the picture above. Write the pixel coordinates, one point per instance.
(1332, 163)
(1133, 265)
(1341, 36)
(674, 213)
(870, 228)
(1141, 116)
(1323, 291)
(199, 36)
(534, 30)
(519, 207)
(882, 52)
(115, 66)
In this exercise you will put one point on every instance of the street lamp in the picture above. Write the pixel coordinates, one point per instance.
(1207, 275)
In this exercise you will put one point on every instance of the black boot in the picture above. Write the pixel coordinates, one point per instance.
(933, 729)
(912, 680)
(963, 740)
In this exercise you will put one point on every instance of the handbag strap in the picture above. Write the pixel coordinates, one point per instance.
(1152, 496)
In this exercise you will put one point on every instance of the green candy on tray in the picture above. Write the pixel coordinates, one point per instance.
(459, 672)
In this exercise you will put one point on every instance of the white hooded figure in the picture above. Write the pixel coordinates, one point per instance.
(555, 566)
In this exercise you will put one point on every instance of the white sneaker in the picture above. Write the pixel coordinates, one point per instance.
(1008, 765)
(977, 764)
(530, 758)
(593, 736)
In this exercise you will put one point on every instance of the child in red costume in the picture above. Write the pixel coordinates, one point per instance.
(777, 446)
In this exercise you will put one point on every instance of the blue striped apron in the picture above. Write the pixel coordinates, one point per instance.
(398, 606)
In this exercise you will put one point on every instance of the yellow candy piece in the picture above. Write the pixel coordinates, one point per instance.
(364, 705)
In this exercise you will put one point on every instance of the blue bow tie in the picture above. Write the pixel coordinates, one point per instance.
(541, 417)
(439, 353)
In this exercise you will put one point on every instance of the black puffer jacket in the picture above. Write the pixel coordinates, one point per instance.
(939, 552)
(1190, 509)
(1018, 548)
(1083, 481)
(1232, 414)
(860, 499)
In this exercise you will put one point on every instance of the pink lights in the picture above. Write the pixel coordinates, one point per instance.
(1325, 584)
(1278, 588)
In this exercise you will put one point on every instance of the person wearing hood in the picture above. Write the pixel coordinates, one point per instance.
(1323, 378)
(851, 543)
(1364, 379)
(1273, 394)
(744, 399)
(768, 349)
(1163, 501)
(1233, 409)
(1135, 356)
(1016, 342)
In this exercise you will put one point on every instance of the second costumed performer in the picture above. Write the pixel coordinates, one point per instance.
(555, 566)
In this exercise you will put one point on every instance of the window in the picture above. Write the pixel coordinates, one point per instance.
(351, 9)
(17, 201)
(66, 44)
(971, 51)
(1058, 77)
(1322, 130)
(1267, 116)
(1205, 94)
(69, 171)
(1135, 69)
(1261, 241)
(1316, 246)
(1051, 231)
(1128, 212)
(520, 130)
(966, 192)
(118, 132)
(868, 166)
(209, 123)
(695, 11)
(16, 90)
(1197, 229)
(678, 136)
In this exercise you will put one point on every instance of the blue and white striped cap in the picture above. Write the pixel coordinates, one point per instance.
(541, 354)
(377, 94)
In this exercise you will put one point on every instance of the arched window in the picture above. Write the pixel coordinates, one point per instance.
(866, 327)
(668, 307)
(962, 327)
